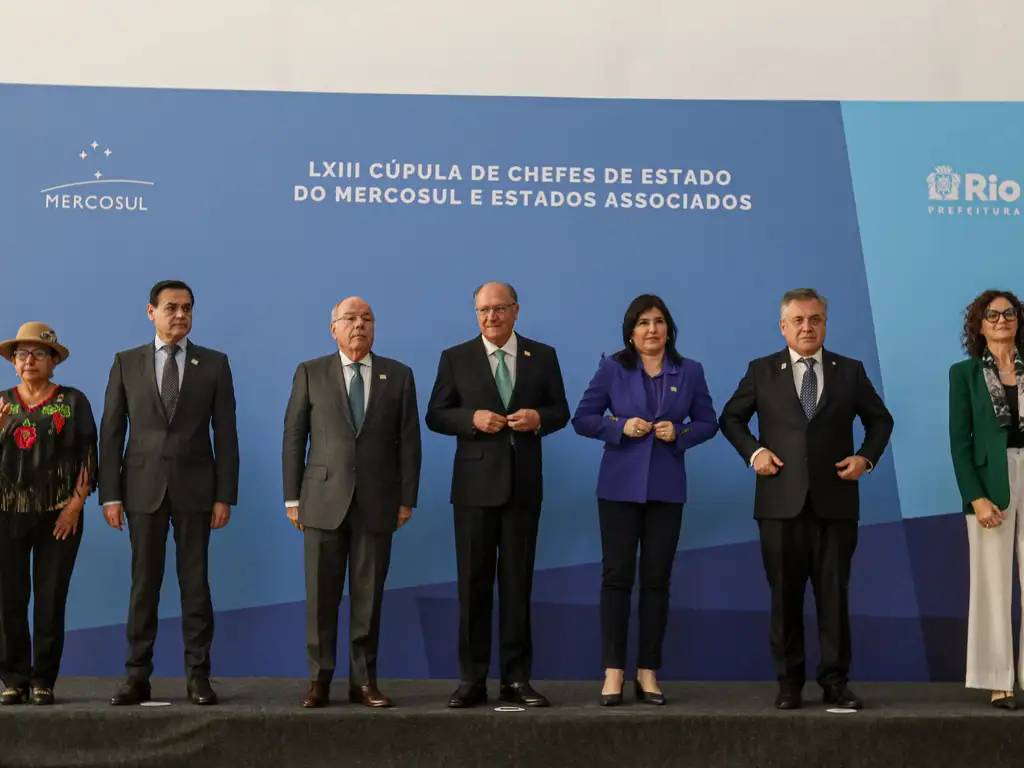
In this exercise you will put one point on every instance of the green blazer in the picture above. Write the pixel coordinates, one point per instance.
(976, 440)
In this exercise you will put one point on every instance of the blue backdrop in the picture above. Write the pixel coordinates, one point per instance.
(211, 180)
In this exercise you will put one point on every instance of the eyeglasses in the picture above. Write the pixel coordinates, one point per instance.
(348, 319)
(993, 315)
(22, 355)
(500, 310)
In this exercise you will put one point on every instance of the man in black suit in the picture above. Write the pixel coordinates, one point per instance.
(806, 499)
(499, 393)
(357, 414)
(170, 392)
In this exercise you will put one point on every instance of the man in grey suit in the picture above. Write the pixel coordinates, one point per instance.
(171, 392)
(357, 414)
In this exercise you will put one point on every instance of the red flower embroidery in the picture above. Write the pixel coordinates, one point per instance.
(58, 422)
(25, 436)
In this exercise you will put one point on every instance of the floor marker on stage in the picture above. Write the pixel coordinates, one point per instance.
(509, 709)
(155, 704)
(841, 711)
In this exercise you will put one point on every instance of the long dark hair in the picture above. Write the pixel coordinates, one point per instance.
(974, 343)
(628, 356)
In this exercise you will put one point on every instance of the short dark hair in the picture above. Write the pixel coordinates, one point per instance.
(172, 285)
(627, 356)
(974, 343)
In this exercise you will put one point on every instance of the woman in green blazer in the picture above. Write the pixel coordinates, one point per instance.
(986, 439)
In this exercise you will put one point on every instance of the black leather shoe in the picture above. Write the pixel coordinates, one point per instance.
(1005, 702)
(658, 699)
(131, 692)
(13, 695)
(468, 695)
(522, 694)
(842, 697)
(41, 695)
(200, 692)
(788, 698)
(611, 699)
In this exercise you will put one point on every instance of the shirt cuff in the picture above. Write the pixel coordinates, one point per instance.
(754, 456)
(291, 503)
(108, 503)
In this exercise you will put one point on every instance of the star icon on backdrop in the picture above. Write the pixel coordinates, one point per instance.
(107, 152)
(98, 175)
(83, 154)
(94, 144)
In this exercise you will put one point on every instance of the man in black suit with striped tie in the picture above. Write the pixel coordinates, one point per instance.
(806, 500)
(169, 394)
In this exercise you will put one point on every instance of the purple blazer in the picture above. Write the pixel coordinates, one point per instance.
(645, 469)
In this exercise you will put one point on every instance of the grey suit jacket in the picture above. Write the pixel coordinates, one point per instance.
(175, 458)
(381, 460)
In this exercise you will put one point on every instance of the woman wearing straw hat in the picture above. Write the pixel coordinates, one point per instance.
(47, 469)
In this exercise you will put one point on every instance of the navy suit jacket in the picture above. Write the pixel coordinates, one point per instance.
(645, 469)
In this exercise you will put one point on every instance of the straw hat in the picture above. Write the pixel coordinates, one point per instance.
(36, 333)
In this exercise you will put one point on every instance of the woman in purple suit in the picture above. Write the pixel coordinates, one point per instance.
(648, 405)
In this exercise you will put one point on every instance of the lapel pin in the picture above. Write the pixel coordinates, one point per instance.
(833, 362)
(383, 377)
(194, 361)
(526, 353)
(783, 367)
(674, 389)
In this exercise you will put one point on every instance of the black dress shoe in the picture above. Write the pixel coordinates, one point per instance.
(1005, 702)
(468, 695)
(788, 698)
(200, 692)
(41, 695)
(842, 697)
(522, 694)
(658, 699)
(131, 692)
(12, 694)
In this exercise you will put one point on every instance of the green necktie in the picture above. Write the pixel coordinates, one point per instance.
(502, 378)
(357, 396)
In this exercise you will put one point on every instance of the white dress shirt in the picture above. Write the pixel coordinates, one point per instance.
(160, 359)
(346, 367)
(511, 349)
(367, 365)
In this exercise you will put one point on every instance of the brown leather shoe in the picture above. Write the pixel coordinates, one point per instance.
(319, 695)
(369, 696)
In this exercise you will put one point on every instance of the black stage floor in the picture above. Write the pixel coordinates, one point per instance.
(260, 723)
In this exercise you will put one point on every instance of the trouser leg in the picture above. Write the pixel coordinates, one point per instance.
(786, 563)
(620, 535)
(15, 590)
(52, 565)
(477, 531)
(661, 526)
(148, 534)
(325, 554)
(517, 547)
(192, 547)
(369, 557)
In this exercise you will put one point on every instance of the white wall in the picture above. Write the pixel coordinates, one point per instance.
(772, 49)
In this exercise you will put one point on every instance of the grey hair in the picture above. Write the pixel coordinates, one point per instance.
(801, 294)
(507, 286)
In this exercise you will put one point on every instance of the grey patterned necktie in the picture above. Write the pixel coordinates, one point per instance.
(809, 388)
(357, 396)
(169, 382)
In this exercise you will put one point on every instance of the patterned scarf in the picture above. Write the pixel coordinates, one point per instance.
(996, 391)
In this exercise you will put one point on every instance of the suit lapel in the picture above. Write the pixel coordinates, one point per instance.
(378, 380)
(674, 378)
(336, 382)
(147, 370)
(524, 358)
(191, 353)
(782, 368)
(483, 367)
(828, 379)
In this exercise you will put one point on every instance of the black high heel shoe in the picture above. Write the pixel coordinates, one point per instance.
(612, 699)
(646, 697)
